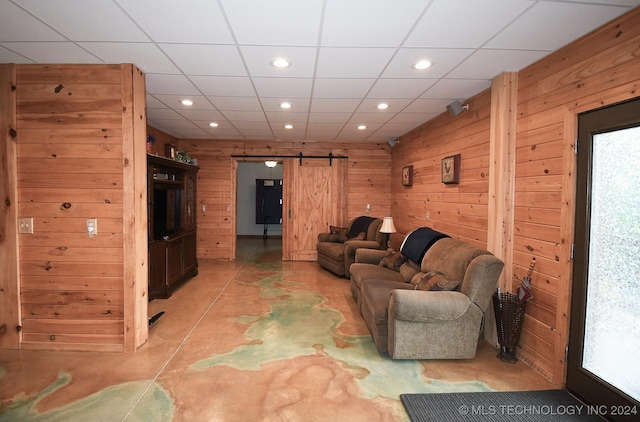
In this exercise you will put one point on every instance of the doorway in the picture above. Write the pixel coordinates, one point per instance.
(604, 336)
(257, 216)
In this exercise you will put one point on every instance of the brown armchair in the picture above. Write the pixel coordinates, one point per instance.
(337, 250)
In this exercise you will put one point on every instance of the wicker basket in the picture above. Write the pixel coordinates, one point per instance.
(509, 313)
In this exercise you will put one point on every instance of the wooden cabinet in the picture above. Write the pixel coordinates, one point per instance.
(172, 224)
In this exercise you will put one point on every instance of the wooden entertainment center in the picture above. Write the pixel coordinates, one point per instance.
(171, 190)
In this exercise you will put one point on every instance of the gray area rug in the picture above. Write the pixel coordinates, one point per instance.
(545, 405)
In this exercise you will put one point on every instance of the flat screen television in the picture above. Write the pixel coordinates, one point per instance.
(166, 212)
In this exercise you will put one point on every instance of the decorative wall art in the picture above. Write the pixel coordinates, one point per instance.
(407, 175)
(451, 169)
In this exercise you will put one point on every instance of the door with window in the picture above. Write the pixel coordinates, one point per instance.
(604, 340)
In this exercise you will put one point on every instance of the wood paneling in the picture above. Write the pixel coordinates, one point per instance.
(81, 293)
(460, 210)
(368, 174)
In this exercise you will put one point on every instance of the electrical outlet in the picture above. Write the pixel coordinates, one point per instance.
(427, 215)
(92, 227)
(26, 225)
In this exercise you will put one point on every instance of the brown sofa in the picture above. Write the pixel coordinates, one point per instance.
(337, 251)
(409, 321)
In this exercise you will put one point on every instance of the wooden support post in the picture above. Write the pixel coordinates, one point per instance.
(10, 273)
(502, 164)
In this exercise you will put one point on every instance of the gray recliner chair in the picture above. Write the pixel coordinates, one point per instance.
(337, 251)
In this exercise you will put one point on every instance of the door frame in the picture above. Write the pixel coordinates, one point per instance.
(581, 384)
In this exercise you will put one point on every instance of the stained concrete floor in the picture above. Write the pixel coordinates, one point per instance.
(255, 339)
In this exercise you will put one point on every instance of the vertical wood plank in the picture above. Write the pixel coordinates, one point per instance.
(10, 273)
(134, 211)
(502, 163)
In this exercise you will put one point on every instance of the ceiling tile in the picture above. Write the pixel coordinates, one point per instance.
(319, 105)
(395, 105)
(245, 116)
(52, 52)
(170, 84)
(273, 22)
(146, 56)
(174, 101)
(283, 117)
(200, 59)
(352, 62)
(224, 86)
(259, 58)
(283, 87)
(81, 20)
(341, 88)
(329, 117)
(299, 105)
(18, 25)
(525, 33)
(8, 56)
(401, 66)
(487, 63)
(202, 115)
(236, 103)
(370, 118)
(369, 23)
(203, 20)
(400, 88)
(463, 23)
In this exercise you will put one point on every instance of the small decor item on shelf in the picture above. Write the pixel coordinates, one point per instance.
(183, 157)
(509, 309)
(170, 151)
(150, 141)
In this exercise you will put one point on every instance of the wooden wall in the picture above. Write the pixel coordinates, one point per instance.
(369, 168)
(600, 69)
(81, 154)
(460, 210)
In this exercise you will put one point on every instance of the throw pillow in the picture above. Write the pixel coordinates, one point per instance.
(435, 281)
(393, 260)
(338, 234)
(360, 236)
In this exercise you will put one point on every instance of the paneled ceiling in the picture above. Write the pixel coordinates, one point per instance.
(347, 56)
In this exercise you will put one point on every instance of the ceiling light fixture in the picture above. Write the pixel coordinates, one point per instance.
(271, 164)
(422, 64)
(280, 63)
(382, 106)
(288, 126)
(362, 127)
(285, 105)
(187, 102)
(213, 124)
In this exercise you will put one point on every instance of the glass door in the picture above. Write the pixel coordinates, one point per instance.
(604, 340)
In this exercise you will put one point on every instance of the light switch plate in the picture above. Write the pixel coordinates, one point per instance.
(25, 225)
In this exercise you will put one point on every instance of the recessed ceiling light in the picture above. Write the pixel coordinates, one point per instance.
(213, 124)
(382, 106)
(288, 126)
(362, 127)
(187, 102)
(280, 63)
(285, 105)
(422, 64)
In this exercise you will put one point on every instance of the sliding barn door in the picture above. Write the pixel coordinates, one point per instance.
(314, 198)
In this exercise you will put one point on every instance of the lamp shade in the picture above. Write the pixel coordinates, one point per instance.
(387, 225)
